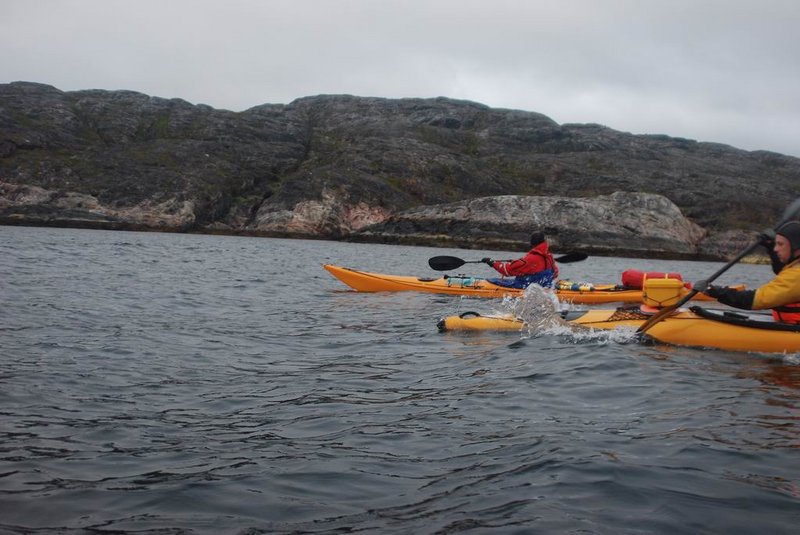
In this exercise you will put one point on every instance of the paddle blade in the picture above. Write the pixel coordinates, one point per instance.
(571, 257)
(445, 263)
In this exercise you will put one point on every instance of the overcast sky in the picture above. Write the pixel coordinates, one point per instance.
(726, 71)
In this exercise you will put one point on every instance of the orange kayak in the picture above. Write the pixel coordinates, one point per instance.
(364, 281)
(696, 327)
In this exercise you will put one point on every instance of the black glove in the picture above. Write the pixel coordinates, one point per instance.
(715, 291)
(487, 260)
(711, 291)
(767, 239)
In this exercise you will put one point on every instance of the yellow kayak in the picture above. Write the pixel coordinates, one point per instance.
(364, 281)
(696, 327)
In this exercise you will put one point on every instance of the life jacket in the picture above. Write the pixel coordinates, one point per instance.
(787, 313)
(544, 277)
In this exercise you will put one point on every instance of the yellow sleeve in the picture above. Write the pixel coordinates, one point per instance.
(782, 290)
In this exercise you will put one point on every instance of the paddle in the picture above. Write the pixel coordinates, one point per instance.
(445, 263)
(792, 212)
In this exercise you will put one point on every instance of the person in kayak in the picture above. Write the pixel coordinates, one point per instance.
(537, 266)
(781, 294)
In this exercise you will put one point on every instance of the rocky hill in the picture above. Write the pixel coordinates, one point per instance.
(344, 167)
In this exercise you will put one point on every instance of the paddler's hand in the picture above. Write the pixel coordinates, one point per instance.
(711, 291)
(767, 239)
(715, 291)
(487, 260)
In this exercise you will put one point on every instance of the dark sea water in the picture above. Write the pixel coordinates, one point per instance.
(164, 383)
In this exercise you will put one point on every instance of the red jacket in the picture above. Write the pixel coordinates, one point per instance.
(536, 260)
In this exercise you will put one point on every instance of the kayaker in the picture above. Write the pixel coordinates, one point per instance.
(536, 267)
(781, 294)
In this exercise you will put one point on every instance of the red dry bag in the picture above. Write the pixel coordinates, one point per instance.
(634, 278)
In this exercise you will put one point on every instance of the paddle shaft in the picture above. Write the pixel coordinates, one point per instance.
(445, 263)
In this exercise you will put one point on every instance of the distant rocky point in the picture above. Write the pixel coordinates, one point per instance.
(423, 171)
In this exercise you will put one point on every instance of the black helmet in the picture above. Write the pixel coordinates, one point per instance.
(537, 238)
(791, 231)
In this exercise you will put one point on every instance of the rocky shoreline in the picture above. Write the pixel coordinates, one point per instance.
(638, 225)
(439, 172)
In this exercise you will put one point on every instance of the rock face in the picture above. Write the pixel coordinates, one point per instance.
(37, 206)
(629, 224)
(344, 167)
(331, 216)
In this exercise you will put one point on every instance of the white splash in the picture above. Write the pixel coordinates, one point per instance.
(538, 307)
(792, 358)
(541, 311)
(620, 335)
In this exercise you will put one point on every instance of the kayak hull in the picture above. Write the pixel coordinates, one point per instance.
(364, 281)
(695, 327)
